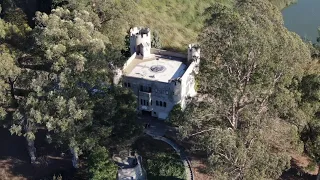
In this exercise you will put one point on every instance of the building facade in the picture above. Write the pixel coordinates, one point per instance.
(160, 79)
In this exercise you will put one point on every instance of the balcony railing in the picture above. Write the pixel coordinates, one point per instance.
(145, 95)
(146, 108)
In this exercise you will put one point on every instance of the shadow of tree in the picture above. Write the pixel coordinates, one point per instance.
(15, 161)
(296, 173)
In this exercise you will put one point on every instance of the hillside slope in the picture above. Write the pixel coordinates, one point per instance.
(179, 21)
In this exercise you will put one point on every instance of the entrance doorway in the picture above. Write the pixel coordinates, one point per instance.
(146, 113)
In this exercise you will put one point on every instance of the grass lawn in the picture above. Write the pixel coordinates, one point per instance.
(159, 159)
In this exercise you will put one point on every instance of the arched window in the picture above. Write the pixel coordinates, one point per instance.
(164, 104)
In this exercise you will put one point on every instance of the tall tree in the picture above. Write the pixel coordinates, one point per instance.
(310, 88)
(250, 65)
(66, 64)
(100, 165)
(115, 16)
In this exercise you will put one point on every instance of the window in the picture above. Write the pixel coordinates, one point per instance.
(157, 103)
(129, 85)
(141, 101)
(151, 103)
(164, 104)
(147, 103)
(125, 84)
(160, 103)
(149, 89)
(141, 88)
(154, 113)
(144, 102)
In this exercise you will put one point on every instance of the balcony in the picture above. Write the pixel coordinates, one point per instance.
(146, 108)
(145, 95)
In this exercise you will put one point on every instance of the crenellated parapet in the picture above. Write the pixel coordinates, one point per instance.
(194, 56)
(140, 41)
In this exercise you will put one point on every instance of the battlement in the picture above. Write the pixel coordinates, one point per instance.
(140, 41)
(139, 31)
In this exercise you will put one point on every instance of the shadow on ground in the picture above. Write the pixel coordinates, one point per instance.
(296, 173)
(15, 162)
(163, 178)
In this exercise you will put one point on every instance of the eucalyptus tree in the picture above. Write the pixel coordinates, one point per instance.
(12, 37)
(116, 17)
(68, 58)
(310, 88)
(249, 72)
(8, 73)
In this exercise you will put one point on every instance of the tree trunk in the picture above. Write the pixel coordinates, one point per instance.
(31, 150)
(11, 83)
(75, 157)
(318, 176)
(30, 141)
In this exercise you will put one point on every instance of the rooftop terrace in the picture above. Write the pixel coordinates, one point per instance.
(156, 68)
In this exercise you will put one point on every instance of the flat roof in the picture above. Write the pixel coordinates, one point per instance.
(156, 68)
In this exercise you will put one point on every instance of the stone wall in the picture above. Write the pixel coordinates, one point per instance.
(168, 53)
(133, 56)
(188, 84)
(160, 91)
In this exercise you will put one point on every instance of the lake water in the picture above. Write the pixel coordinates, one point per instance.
(303, 18)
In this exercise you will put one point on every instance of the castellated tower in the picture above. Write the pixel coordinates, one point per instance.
(194, 56)
(140, 41)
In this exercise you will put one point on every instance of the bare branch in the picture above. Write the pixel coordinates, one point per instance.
(203, 131)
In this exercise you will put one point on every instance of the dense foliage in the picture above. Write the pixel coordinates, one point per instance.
(248, 116)
(100, 165)
(259, 88)
(56, 77)
(160, 161)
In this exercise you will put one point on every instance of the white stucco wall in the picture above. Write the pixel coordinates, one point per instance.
(187, 84)
(133, 56)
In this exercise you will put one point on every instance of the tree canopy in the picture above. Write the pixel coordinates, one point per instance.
(257, 94)
(61, 83)
(250, 69)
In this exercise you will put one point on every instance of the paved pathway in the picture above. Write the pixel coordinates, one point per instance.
(157, 127)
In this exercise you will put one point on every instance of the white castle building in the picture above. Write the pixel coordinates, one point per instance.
(160, 79)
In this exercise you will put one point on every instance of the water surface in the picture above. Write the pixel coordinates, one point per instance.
(303, 18)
